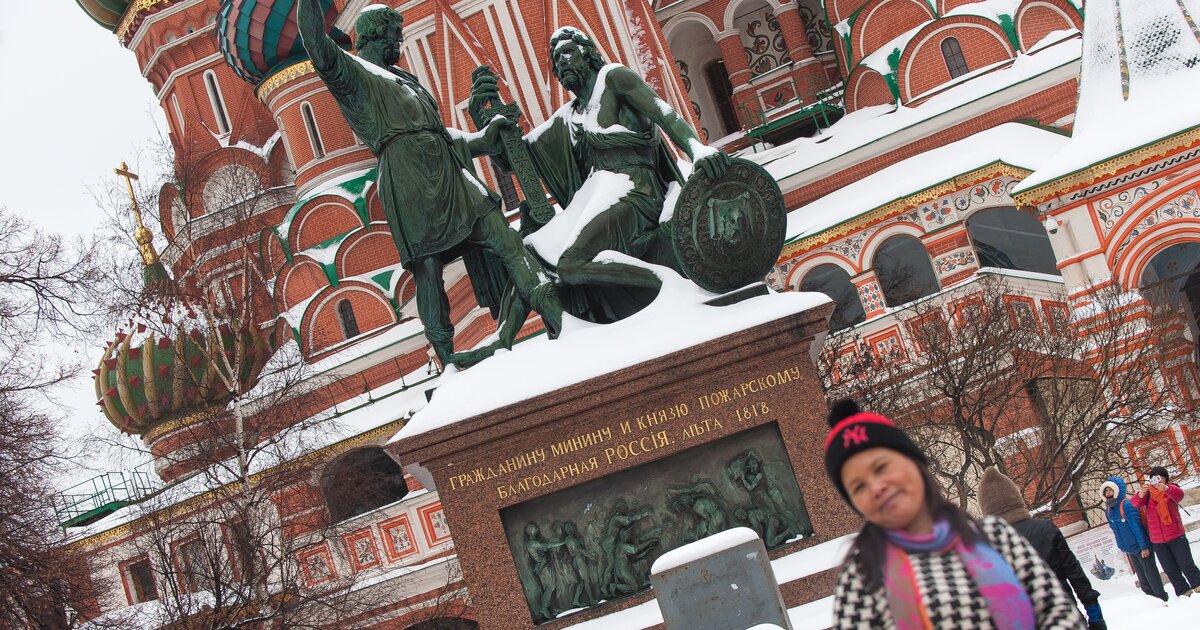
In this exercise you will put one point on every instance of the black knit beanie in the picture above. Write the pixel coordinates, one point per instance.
(1161, 472)
(853, 430)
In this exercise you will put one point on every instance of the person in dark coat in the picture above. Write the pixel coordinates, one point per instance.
(1160, 498)
(999, 496)
(1126, 523)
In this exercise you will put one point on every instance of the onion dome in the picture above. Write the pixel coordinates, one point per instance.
(260, 37)
(106, 13)
(167, 361)
(146, 377)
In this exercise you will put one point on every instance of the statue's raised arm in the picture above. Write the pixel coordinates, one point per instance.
(324, 53)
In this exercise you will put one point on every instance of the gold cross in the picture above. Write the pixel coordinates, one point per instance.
(129, 176)
(141, 235)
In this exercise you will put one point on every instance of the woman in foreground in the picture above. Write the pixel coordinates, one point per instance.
(920, 562)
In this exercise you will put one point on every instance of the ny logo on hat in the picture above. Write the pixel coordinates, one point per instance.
(854, 435)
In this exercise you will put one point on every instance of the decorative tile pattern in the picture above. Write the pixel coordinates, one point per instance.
(968, 310)
(1058, 316)
(1021, 312)
(433, 521)
(872, 297)
(763, 42)
(361, 549)
(949, 208)
(1111, 208)
(937, 212)
(851, 246)
(397, 538)
(955, 261)
(889, 346)
(316, 563)
(1186, 205)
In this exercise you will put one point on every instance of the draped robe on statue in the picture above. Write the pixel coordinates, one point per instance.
(431, 196)
(569, 149)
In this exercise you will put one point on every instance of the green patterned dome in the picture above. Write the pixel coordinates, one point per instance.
(146, 377)
(259, 37)
(106, 13)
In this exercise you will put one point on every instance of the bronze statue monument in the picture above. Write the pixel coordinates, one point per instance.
(436, 208)
(600, 156)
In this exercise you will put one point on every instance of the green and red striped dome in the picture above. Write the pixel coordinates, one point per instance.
(149, 374)
(259, 37)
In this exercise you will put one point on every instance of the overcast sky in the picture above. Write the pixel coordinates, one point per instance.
(73, 105)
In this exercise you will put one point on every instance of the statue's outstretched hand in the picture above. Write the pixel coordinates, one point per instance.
(713, 165)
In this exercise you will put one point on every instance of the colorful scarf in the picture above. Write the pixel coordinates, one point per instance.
(1159, 499)
(1006, 598)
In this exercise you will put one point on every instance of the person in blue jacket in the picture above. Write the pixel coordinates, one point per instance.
(1126, 523)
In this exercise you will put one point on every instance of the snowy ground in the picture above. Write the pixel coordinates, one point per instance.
(1124, 605)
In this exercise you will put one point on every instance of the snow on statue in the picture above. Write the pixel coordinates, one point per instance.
(602, 158)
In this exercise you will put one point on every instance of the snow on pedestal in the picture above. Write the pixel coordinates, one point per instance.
(711, 545)
(677, 319)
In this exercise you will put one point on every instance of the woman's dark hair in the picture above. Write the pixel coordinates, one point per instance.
(870, 547)
(1161, 472)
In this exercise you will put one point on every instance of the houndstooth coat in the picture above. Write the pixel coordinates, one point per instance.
(950, 596)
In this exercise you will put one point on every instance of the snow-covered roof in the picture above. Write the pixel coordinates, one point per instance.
(990, 9)
(882, 128)
(1015, 144)
(1139, 82)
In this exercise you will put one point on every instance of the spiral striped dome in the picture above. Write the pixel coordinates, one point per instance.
(260, 37)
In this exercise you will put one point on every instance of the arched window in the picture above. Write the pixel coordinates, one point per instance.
(360, 481)
(833, 281)
(218, 104)
(953, 54)
(1010, 239)
(178, 112)
(722, 94)
(904, 271)
(314, 134)
(345, 311)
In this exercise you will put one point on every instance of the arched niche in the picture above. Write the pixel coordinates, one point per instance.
(903, 270)
(1171, 280)
(711, 98)
(1007, 238)
(360, 481)
(834, 281)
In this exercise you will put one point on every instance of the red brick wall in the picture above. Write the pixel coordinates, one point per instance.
(1037, 18)
(923, 67)
(320, 220)
(301, 280)
(881, 21)
(321, 326)
(866, 87)
(839, 10)
(367, 251)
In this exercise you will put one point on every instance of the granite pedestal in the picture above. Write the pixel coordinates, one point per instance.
(620, 446)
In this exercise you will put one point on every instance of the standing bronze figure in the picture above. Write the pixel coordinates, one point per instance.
(436, 208)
